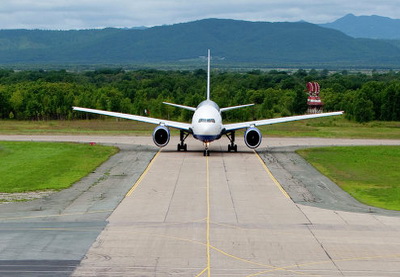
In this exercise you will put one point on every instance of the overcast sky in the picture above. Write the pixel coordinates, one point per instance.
(87, 14)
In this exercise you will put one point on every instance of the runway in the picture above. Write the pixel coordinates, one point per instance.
(223, 215)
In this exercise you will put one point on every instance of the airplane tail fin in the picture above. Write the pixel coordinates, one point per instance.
(208, 76)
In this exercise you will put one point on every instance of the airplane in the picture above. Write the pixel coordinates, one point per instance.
(207, 123)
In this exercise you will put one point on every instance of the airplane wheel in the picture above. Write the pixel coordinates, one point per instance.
(179, 148)
(232, 148)
(185, 147)
(204, 153)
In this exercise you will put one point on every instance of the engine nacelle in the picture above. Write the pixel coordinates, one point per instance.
(161, 136)
(252, 137)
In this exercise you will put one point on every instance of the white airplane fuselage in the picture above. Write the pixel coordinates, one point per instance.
(207, 122)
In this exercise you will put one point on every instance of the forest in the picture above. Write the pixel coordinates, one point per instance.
(49, 95)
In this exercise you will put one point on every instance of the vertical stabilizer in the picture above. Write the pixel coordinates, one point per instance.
(208, 76)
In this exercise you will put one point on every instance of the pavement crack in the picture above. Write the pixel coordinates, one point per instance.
(325, 251)
(309, 226)
(175, 186)
(229, 188)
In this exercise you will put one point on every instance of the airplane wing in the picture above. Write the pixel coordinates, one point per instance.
(242, 125)
(168, 123)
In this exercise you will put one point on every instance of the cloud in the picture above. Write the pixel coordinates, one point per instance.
(84, 14)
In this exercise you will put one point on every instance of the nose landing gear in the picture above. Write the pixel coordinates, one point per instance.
(206, 152)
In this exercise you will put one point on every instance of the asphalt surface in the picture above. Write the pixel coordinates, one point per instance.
(196, 216)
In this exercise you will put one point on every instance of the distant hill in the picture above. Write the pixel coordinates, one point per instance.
(376, 27)
(233, 42)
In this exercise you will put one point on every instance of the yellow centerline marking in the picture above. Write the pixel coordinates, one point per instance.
(201, 273)
(143, 174)
(272, 176)
(208, 221)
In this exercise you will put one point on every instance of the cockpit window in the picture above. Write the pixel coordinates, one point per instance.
(206, 120)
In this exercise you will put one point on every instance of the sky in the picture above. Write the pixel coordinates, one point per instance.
(93, 14)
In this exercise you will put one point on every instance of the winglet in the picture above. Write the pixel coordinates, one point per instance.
(208, 76)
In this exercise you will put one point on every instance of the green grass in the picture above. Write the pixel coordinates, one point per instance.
(371, 174)
(334, 127)
(33, 166)
(108, 126)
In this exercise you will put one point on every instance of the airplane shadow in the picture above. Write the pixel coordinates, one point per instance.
(212, 151)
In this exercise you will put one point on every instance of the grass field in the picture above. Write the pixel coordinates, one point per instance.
(335, 127)
(371, 174)
(33, 166)
(108, 126)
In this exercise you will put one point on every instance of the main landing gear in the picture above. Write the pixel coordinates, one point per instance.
(231, 137)
(182, 145)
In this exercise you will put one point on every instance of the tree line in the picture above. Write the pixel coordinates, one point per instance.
(49, 95)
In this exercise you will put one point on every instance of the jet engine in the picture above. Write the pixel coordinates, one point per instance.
(161, 136)
(252, 137)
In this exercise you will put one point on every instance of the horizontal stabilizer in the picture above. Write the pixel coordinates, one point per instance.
(181, 106)
(235, 107)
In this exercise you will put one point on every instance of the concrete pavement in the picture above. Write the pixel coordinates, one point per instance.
(225, 216)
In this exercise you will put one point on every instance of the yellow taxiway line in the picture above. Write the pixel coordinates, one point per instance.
(272, 176)
(143, 175)
(208, 221)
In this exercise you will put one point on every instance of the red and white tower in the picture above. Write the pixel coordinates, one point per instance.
(314, 103)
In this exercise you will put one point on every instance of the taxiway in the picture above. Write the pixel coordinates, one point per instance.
(189, 215)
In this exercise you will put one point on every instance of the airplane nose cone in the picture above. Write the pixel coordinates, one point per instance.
(207, 129)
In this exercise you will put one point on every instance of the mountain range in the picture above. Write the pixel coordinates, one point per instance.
(233, 43)
(374, 26)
